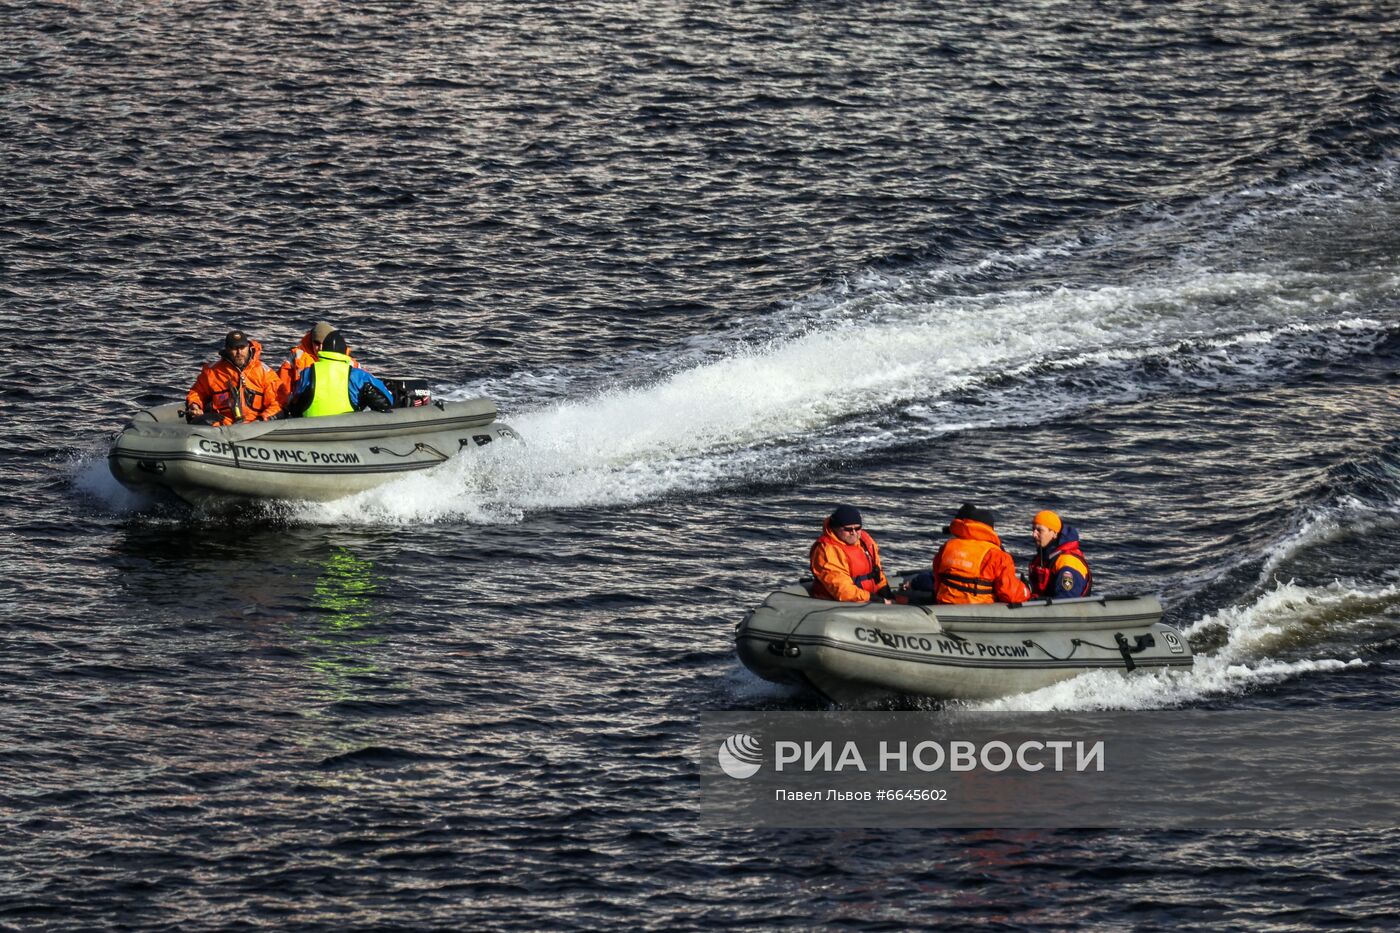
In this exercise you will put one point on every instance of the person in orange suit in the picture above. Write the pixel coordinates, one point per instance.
(303, 355)
(972, 566)
(236, 387)
(846, 561)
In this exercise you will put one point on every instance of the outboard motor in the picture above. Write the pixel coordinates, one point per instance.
(409, 393)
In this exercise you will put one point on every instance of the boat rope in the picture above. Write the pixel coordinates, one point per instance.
(786, 648)
(1028, 643)
(949, 632)
(425, 448)
(1120, 644)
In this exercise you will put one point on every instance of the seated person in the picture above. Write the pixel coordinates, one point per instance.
(1058, 569)
(846, 561)
(331, 386)
(302, 356)
(971, 567)
(235, 388)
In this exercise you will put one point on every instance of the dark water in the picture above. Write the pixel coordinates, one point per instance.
(723, 267)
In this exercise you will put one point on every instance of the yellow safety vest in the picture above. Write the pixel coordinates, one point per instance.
(332, 393)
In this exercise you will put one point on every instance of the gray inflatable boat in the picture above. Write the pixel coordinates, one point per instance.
(861, 653)
(316, 459)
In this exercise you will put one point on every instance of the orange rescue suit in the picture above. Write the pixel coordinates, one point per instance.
(850, 573)
(247, 394)
(972, 568)
(301, 357)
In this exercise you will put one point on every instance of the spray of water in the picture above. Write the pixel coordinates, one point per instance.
(1264, 642)
(783, 406)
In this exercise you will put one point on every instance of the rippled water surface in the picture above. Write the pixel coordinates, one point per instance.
(722, 267)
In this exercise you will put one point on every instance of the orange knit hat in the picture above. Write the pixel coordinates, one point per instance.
(1049, 519)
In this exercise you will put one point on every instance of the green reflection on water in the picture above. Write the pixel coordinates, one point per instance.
(345, 590)
(344, 600)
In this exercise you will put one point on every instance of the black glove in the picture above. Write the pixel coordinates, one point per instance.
(372, 398)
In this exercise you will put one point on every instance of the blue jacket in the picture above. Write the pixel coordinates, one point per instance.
(306, 389)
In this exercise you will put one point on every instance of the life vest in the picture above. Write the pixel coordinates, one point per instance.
(234, 396)
(1041, 573)
(860, 559)
(958, 573)
(228, 401)
(301, 357)
(331, 386)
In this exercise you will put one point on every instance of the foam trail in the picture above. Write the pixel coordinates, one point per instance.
(1258, 640)
(773, 408)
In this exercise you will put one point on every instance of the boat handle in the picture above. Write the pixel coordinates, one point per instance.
(784, 649)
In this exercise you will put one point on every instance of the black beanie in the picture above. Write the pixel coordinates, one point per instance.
(975, 514)
(235, 339)
(845, 515)
(334, 342)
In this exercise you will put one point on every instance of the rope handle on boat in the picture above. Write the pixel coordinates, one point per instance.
(784, 649)
(425, 448)
(1120, 644)
(1076, 642)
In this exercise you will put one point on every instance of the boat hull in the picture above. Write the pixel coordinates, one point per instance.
(860, 653)
(315, 459)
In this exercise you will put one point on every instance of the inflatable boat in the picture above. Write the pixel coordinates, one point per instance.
(857, 654)
(316, 459)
